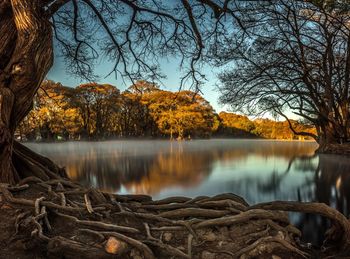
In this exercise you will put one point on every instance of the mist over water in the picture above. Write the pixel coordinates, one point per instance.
(258, 170)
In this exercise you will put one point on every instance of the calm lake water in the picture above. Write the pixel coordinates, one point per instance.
(258, 170)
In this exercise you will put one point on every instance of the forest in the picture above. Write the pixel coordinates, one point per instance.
(278, 57)
(101, 111)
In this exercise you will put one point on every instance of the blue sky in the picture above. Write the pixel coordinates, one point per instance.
(59, 73)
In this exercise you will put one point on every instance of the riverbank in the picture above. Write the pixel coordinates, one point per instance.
(160, 138)
(61, 219)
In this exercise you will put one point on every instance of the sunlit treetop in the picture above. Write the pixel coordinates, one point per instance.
(143, 86)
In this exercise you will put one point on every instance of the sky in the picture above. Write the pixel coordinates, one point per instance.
(58, 73)
(170, 68)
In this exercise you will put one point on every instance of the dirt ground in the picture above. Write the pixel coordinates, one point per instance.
(61, 219)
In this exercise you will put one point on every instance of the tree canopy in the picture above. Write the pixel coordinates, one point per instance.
(101, 111)
(131, 35)
(292, 56)
(135, 35)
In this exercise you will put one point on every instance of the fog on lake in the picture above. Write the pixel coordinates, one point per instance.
(258, 170)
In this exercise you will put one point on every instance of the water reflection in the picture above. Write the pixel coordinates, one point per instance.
(329, 184)
(258, 170)
(202, 167)
(332, 182)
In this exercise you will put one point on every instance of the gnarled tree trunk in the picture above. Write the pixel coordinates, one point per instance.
(333, 140)
(26, 55)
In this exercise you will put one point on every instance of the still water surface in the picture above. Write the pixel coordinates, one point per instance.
(258, 170)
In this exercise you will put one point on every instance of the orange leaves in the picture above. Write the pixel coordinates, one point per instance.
(100, 111)
(180, 113)
(241, 126)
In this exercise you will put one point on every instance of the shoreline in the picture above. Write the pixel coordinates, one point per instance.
(163, 139)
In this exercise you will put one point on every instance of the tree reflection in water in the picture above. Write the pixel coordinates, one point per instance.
(330, 185)
(258, 170)
(134, 169)
(153, 166)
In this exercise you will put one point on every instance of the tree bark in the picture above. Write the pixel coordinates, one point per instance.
(26, 56)
(8, 173)
(332, 143)
(7, 98)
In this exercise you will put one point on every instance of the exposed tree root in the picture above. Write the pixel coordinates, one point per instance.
(340, 231)
(62, 219)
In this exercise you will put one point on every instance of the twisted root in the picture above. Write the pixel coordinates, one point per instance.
(66, 219)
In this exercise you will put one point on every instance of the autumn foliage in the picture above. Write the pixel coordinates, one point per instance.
(101, 111)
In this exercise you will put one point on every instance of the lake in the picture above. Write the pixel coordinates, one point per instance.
(258, 170)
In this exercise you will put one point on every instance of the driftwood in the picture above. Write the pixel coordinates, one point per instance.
(65, 220)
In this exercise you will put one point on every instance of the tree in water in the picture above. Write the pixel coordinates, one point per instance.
(292, 56)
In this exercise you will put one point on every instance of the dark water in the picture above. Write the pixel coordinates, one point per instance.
(258, 170)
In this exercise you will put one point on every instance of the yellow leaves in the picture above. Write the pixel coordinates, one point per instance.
(239, 125)
(143, 87)
(100, 108)
(72, 120)
(232, 120)
(180, 112)
(94, 89)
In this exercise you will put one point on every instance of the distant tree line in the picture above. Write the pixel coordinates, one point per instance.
(101, 111)
(241, 126)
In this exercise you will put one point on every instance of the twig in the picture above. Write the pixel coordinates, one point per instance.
(102, 225)
(63, 199)
(88, 203)
(46, 219)
(37, 205)
(189, 245)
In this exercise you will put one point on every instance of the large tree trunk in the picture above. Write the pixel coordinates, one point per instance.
(332, 141)
(26, 55)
